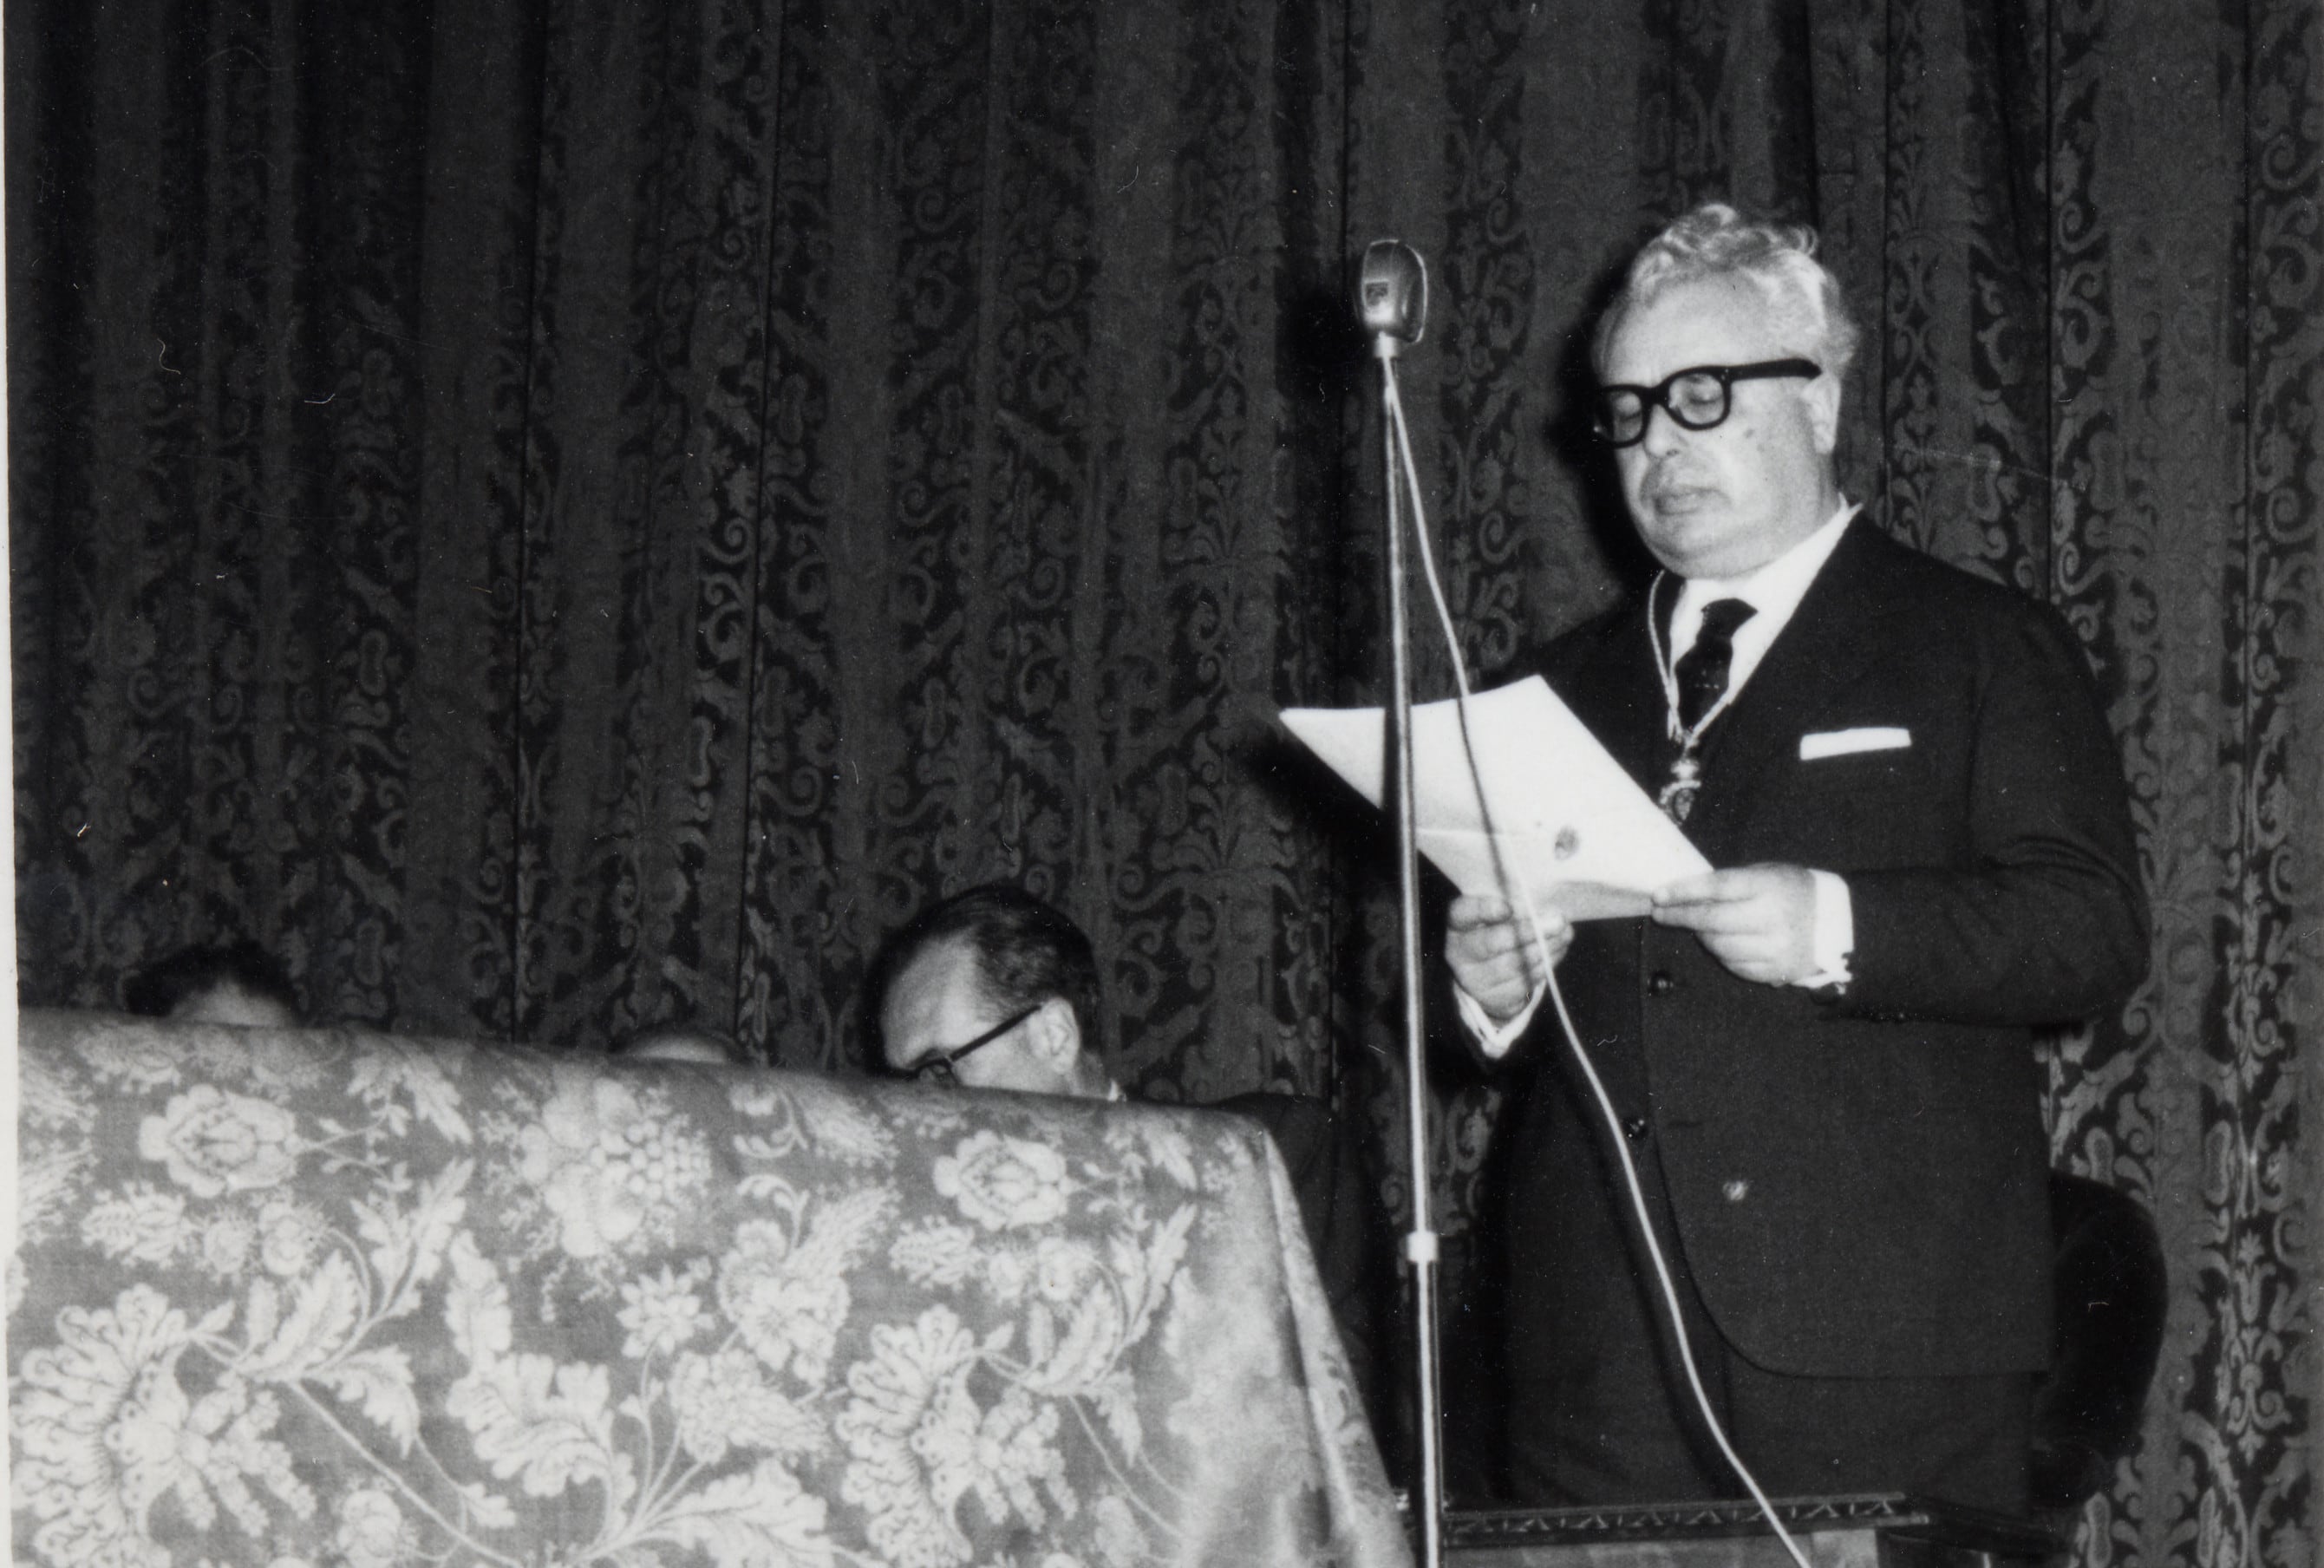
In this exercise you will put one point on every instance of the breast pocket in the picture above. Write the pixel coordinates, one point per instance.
(1860, 810)
(1889, 767)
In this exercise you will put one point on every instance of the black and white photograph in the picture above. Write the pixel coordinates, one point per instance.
(1101, 783)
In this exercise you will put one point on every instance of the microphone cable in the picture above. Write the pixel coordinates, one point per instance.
(1394, 406)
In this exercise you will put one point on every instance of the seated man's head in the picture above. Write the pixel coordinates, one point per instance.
(683, 1043)
(238, 984)
(992, 989)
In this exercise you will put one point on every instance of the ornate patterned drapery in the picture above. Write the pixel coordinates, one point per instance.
(337, 1296)
(558, 517)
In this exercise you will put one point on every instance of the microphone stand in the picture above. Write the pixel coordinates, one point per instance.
(1420, 1245)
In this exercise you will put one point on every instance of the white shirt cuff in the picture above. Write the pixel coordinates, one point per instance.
(1495, 1038)
(1835, 932)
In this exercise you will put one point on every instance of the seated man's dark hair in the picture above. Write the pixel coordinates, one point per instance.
(155, 990)
(1027, 951)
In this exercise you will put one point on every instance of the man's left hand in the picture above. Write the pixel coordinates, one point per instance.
(1759, 921)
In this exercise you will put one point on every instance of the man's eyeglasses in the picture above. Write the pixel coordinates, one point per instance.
(937, 1066)
(1699, 398)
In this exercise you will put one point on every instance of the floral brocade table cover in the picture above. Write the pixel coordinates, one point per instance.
(307, 1299)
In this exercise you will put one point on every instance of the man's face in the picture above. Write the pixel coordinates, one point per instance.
(1718, 502)
(936, 1004)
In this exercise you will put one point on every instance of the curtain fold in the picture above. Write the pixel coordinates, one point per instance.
(556, 518)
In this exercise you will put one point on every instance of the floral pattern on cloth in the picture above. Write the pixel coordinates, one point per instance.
(313, 1299)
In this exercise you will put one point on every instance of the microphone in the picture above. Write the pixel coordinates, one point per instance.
(1392, 295)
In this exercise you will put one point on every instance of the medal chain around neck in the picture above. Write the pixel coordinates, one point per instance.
(1687, 736)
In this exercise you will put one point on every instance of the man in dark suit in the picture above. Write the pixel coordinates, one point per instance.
(995, 989)
(1820, 1054)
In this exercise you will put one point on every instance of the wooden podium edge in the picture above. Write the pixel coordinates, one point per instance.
(1975, 1529)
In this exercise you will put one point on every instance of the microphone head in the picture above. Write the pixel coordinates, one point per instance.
(1392, 293)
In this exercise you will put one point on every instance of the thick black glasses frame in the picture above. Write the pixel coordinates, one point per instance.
(937, 1066)
(1603, 418)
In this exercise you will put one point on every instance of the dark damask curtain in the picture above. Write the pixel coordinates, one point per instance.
(555, 517)
(561, 517)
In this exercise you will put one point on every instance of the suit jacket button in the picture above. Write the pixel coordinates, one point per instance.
(1736, 1190)
(1634, 1127)
(1661, 983)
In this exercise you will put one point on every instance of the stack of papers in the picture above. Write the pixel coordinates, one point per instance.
(1571, 829)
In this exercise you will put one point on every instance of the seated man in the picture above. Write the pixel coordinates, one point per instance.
(238, 984)
(682, 1043)
(994, 988)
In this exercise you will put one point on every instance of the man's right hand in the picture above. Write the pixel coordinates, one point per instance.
(1493, 954)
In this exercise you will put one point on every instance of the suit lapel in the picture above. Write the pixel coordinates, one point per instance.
(1617, 692)
(1831, 640)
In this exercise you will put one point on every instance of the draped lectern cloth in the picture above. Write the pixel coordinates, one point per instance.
(301, 1299)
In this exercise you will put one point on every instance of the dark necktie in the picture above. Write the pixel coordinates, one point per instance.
(1702, 673)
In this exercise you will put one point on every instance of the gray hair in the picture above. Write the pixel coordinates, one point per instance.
(1776, 258)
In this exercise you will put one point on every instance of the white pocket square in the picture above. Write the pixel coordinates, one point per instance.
(1847, 743)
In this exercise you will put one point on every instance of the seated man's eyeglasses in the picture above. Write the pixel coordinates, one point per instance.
(936, 1066)
(1699, 397)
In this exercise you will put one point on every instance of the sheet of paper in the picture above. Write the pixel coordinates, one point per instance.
(1570, 826)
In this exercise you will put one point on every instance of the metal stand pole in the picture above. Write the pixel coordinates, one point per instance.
(1420, 1248)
